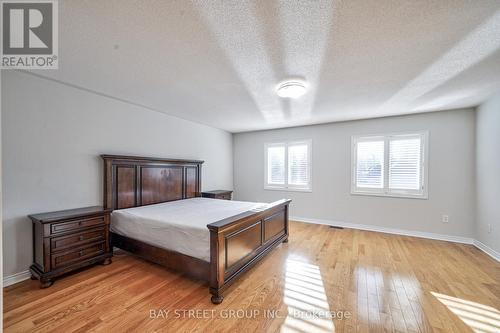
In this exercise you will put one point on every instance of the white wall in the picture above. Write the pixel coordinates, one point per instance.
(1, 228)
(451, 174)
(488, 172)
(52, 135)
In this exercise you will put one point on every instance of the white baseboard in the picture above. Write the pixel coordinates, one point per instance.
(421, 234)
(15, 278)
(488, 250)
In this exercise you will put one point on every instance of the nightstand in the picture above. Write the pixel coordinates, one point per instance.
(218, 194)
(67, 240)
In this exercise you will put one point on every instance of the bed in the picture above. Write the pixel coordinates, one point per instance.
(159, 215)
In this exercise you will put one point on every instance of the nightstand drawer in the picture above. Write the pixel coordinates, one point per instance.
(81, 238)
(57, 228)
(77, 254)
(67, 240)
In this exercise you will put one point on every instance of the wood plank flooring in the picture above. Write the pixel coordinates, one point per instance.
(377, 282)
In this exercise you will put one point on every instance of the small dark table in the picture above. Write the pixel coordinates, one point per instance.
(218, 194)
(67, 240)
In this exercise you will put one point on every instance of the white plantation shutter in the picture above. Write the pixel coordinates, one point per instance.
(288, 165)
(298, 165)
(404, 163)
(370, 164)
(390, 165)
(276, 165)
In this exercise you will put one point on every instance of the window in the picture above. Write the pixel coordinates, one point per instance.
(276, 165)
(390, 165)
(288, 166)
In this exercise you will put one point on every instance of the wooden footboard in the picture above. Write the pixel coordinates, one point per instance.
(237, 243)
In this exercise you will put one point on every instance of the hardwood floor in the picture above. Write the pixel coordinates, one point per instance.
(378, 282)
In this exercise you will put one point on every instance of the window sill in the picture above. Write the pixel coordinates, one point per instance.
(392, 195)
(288, 189)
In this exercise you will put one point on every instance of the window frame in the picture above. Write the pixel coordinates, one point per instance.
(385, 191)
(286, 186)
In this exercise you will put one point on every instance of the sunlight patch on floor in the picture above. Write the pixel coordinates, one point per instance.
(305, 297)
(479, 317)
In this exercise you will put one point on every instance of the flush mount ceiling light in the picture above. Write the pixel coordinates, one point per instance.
(291, 89)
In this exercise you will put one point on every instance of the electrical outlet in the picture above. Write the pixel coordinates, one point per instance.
(445, 219)
(489, 228)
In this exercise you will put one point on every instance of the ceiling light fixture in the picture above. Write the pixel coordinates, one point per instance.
(291, 89)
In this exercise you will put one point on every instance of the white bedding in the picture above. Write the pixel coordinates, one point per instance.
(180, 225)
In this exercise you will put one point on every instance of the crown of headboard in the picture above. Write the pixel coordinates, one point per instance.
(132, 181)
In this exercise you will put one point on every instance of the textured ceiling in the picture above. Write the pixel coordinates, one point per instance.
(218, 62)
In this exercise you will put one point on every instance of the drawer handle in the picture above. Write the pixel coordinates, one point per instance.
(81, 253)
(80, 223)
(81, 238)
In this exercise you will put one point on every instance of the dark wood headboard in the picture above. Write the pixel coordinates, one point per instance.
(132, 181)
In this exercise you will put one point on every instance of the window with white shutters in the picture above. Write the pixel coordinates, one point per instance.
(370, 164)
(276, 165)
(404, 163)
(288, 166)
(390, 165)
(298, 164)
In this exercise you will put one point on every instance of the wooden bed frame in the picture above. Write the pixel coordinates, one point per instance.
(236, 243)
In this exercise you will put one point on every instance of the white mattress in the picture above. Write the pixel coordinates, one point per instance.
(180, 225)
